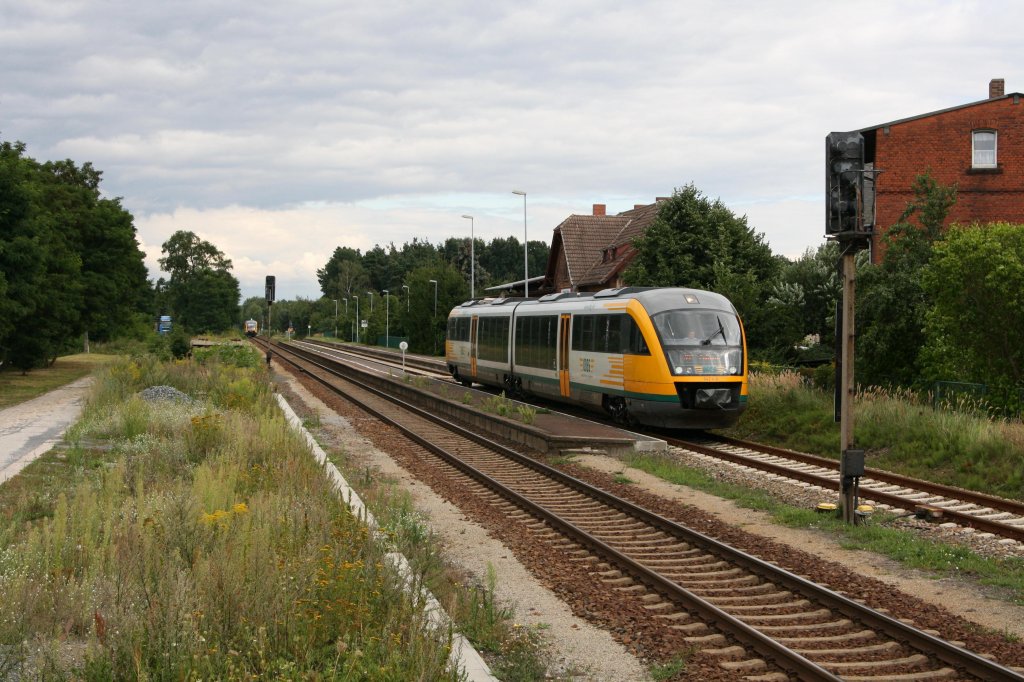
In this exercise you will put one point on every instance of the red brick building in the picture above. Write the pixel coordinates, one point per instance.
(979, 147)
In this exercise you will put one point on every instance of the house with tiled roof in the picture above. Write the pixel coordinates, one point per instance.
(590, 252)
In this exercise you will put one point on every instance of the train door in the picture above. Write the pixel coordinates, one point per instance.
(472, 345)
(563, 355)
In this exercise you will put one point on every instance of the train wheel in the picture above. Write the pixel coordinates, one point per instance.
(616, 407)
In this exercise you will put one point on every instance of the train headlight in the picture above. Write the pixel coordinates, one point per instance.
(679, 370)
(733, 369)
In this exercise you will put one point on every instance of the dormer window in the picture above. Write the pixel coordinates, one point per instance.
(983, 146)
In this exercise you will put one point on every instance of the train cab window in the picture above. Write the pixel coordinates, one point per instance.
(707, 342)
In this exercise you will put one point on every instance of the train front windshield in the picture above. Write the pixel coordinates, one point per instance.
(701, 342)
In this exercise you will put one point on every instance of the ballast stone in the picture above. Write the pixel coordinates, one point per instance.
(155, 394)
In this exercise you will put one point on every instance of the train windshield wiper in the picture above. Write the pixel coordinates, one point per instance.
(721, 330)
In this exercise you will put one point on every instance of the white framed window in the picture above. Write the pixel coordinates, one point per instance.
(983, 147)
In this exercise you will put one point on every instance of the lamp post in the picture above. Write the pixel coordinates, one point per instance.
(408, 293)
(472, 259)
(433, 323)
(357, 318)
(526, 249)
(371, 301)
(387, 322)
(335, 318)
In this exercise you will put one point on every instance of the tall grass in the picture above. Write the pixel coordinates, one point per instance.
(899, 432)
(209, 546)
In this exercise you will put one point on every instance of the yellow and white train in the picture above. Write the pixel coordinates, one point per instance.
(667, 357)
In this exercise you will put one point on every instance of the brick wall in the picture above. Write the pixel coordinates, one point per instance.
(942, 143)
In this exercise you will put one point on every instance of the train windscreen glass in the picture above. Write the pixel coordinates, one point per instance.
(700, 342)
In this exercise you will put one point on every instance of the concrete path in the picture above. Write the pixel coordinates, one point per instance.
(32, 428)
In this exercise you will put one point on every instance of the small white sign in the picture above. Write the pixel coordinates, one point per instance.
(403, 346)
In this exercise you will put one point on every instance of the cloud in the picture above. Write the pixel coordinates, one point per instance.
(279, 131)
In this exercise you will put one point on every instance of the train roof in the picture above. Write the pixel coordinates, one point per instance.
(653, 299)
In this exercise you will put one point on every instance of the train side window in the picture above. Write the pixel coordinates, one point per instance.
(613, 333)
(458, 329)
(492, 339)
(535, 341)
(583, 332)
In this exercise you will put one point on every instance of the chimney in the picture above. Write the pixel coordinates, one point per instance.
(636, 206)
(996, 88)
(599, 209)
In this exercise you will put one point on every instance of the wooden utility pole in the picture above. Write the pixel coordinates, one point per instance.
(849, 214)
(851, 464)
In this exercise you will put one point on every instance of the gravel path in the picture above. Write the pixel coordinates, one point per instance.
(31, 428)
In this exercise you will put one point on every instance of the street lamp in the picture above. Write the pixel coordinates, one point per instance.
(526, 251)
(387, 322)
(371, 301)
(346, 314)
(472, 259)
(433, 324)
(335, 318)
(408, 294)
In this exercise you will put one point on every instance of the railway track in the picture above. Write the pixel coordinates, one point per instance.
(758, 619)
(986, 513)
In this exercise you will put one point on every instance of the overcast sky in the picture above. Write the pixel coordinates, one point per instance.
(281, 130)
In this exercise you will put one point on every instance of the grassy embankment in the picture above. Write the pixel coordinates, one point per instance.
(16, 387)
(899, 434)
(201, 541)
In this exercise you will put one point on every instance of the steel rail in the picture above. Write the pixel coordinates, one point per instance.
(784, 657)
(385, 355)
(972, 496)
(962, 518)
(765, 646)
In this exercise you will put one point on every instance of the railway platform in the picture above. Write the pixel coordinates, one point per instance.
(549, 430)
(542, 429)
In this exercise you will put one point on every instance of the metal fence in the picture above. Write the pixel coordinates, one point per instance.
(959, 395)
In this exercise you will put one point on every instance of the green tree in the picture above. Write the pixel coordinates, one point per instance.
(70, 260)
(202, 292)
(426, 317)
(343, 274)
(696, 242)
(22, 259)
(975, 280)
(503, 260)
(891, 300)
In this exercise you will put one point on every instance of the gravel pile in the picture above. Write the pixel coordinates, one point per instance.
(155, 394)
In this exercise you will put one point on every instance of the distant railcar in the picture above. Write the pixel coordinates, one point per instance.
(669, 357)
(252, 327)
